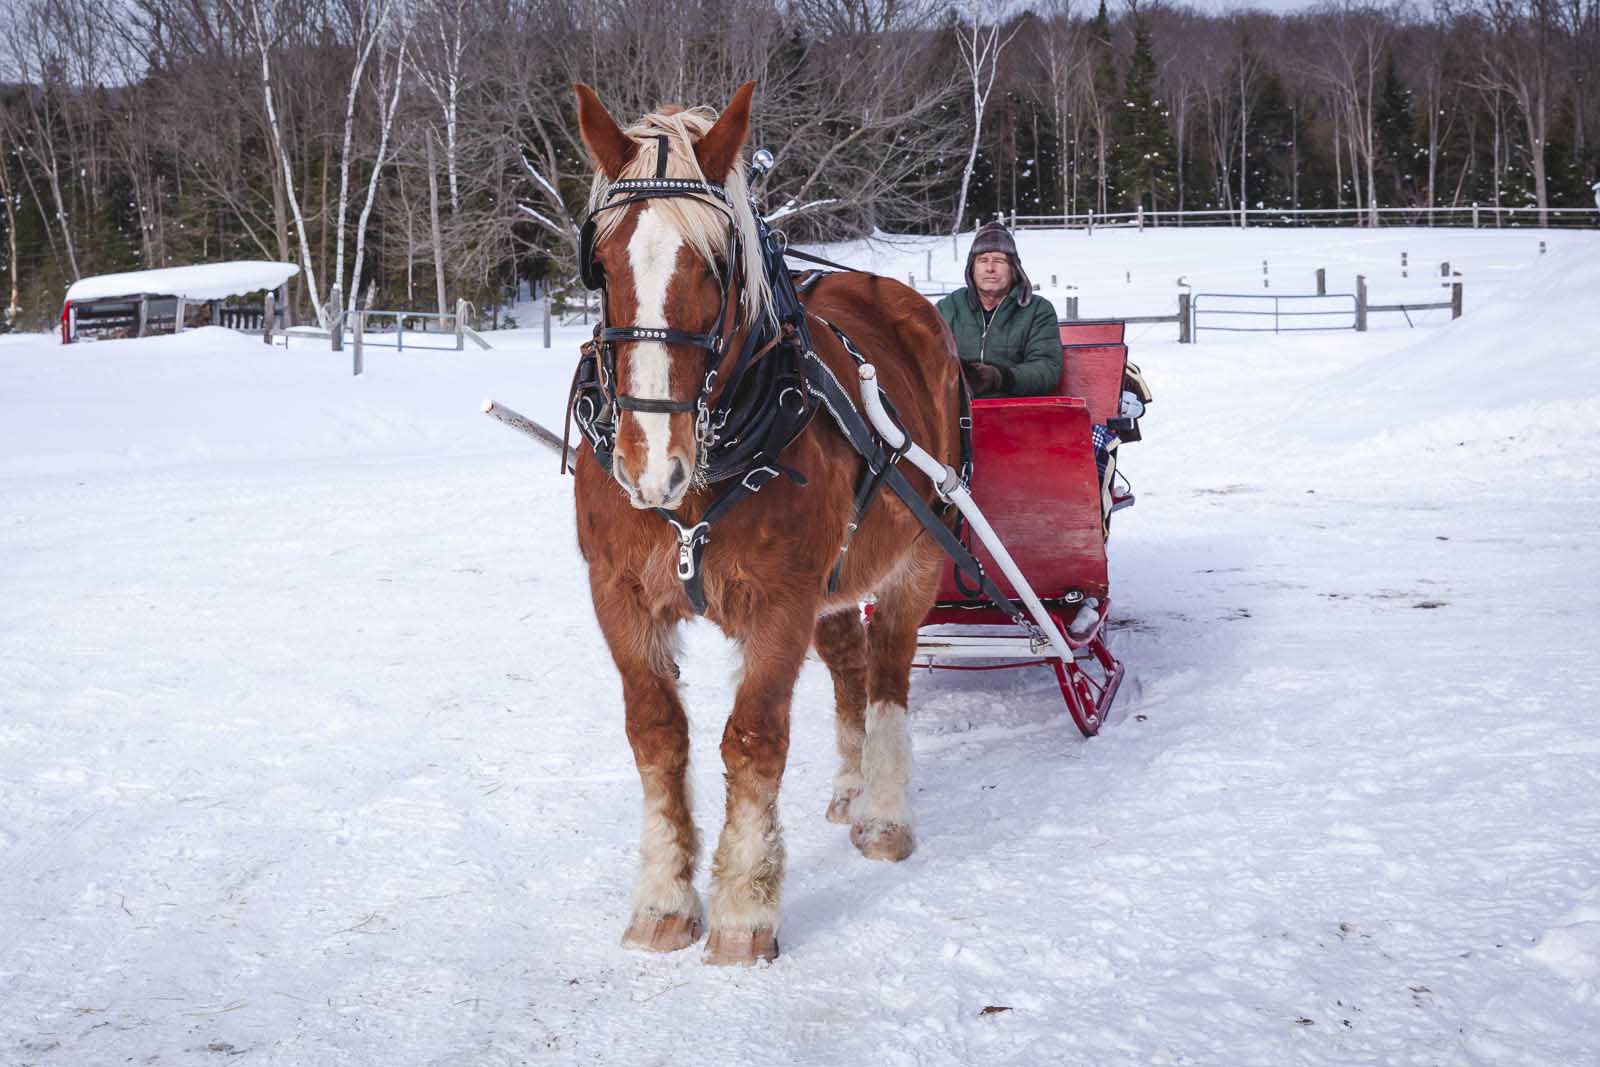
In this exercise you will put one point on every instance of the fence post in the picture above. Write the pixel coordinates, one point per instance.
(177, 325)
(1361, 303)
(361, 329)
(1444, 269)
(144, 313)
(1322, 281)
(928, 269)
(266, 319)
(911, 279)
(1474, 216)
(1091, 222)
(1141, 218)
(549, 300)
(1072, 307)
(1455, 299)
(336, 320)
(399, 333)
(1185, 323)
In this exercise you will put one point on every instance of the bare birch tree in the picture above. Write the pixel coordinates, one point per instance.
(391, 79)
(1518, 58)
(980, 47)
(261, 36)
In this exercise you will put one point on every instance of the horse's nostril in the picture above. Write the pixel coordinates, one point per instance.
(679, 475)
(620, 471)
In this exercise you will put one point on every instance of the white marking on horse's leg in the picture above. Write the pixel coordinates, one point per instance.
(848, 782)
(662, 888)
(748, 868)
(653, 258)
(880, 816)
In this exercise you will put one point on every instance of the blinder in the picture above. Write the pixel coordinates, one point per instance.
(590, 273)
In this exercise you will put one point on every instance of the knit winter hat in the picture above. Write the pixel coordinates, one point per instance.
(994, 237)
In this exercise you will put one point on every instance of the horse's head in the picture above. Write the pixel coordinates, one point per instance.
(669, 262)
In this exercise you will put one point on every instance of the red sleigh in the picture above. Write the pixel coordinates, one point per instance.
(1034, 478)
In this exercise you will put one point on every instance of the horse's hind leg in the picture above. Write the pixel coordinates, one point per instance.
(841, 641)
(880, 817)
(667, 915)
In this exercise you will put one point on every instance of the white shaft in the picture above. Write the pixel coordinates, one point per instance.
(950, 487)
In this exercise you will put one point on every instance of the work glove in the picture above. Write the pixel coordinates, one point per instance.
(987, 379)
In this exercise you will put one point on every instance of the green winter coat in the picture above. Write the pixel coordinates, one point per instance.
(1021, 340)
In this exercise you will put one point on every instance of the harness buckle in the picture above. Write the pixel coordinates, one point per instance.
(769, 472)
(688, 538)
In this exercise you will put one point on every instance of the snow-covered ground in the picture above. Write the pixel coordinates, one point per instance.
(310, 750)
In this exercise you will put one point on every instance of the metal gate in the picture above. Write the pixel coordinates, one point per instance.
(1274, 312)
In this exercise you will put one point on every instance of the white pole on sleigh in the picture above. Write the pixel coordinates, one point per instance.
(951, 488)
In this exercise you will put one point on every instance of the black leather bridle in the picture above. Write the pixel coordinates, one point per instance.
(638, 190)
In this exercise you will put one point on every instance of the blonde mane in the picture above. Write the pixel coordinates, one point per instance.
(704, 227)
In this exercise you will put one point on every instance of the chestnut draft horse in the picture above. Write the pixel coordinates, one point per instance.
(678, 269)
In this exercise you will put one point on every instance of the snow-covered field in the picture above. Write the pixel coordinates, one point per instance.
(310, 751)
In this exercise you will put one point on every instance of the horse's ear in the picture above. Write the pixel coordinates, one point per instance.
(609, 147)
(723, 142)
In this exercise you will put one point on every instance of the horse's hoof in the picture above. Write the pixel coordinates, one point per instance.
(741, 947)
(883, 841)
(839, 807)
(654, 932)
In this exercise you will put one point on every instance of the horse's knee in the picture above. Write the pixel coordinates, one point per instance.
(756, 750)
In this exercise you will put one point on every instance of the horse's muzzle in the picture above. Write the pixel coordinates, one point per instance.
(654, 492)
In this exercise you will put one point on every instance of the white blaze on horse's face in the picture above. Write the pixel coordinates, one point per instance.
(653, 258)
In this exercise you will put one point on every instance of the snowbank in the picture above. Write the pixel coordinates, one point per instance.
(1527, 357)
(211, 395)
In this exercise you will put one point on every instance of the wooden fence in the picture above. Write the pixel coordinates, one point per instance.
(1473, 216)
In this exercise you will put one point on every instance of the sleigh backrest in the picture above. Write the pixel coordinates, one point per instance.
(1109, 332)
(1093, 357)
(1035, 480)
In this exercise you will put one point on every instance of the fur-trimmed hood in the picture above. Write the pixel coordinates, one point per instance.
(994, 237)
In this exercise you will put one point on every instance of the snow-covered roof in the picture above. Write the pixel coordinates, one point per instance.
(205, 281)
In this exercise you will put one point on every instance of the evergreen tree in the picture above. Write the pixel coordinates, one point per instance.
(1106, 97)
(1144, 153)
(1397, 142)
(1270, 154)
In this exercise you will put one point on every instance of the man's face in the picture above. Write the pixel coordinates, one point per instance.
(991, 271)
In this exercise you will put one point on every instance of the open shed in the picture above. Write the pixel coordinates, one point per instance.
(143, 302)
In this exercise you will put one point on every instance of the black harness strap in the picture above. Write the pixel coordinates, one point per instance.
(692, 539)
(819, 261)
(882, 460)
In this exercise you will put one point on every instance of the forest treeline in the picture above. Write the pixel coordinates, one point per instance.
(409, 152)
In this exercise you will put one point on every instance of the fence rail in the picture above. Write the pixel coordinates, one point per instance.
(1473, 216)
(456, 328)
